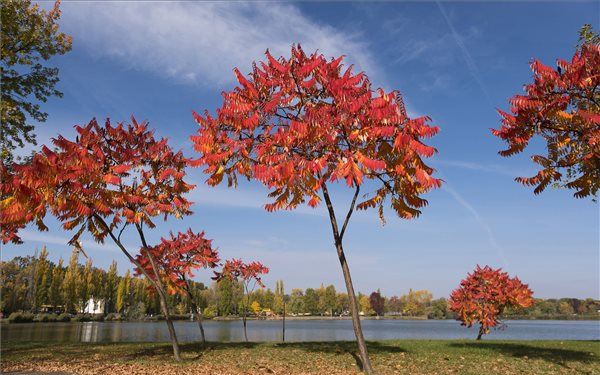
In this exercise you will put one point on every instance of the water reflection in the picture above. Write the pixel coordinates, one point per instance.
(89, 332)
(296, 330)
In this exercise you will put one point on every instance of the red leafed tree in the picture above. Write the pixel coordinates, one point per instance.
(107, 179)
(377, 303)
(561, 106)
(484, 294)
(300, 124)
(176, 258)
(249, 274)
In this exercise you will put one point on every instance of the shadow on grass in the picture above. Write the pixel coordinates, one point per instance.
(338, 347)
(164, 351)
(554, 355)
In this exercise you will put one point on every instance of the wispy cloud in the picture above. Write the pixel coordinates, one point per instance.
(465, 52)
(48, 239)
(490, 168)
(222, 196)
(482, 223)
(201, 42)
(434, 48)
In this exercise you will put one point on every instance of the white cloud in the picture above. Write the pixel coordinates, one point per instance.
(46, 239)
(201, 42)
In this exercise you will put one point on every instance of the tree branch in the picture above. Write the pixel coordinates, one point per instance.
(332, 218)
(350, 210)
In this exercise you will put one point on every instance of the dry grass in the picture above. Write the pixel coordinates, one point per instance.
(389, 357)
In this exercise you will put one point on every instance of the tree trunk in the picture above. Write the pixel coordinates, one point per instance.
(360, 339)
(480, 333)
(338, 237)
(165, 311)
(196, 308)
(245, 331)
(200, 326)
(156, 283)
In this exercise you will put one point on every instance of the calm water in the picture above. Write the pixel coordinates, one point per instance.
(296, 330)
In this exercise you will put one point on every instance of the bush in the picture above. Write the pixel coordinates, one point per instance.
(81, 318)
(137, 312)
(113, 317)
(42, 317)
(64, 317)
(98, 318)
(19, 317)
(154, 318)
(180, 317)
(210, 312)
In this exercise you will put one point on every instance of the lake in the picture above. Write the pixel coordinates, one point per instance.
(296, 330)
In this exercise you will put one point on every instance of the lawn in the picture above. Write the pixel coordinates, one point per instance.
(388, 357)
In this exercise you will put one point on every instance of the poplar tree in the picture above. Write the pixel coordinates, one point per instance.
(55, 285)
(69, 285)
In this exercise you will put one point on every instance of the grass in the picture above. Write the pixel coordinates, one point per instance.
(388, 357)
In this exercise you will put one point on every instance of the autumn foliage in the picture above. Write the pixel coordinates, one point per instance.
(484, 294)
(177, 257)
(296, 123)
(563, 107)
(236, 269)
(249, 274)
(108, 178)
(109, 175)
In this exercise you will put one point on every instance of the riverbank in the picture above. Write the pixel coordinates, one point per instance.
(309, 358)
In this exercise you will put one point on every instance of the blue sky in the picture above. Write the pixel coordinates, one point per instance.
(454, 61)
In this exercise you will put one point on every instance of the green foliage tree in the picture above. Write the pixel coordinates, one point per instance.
(123, 293)
(30, 36)
(84, 285)
(330, 299)
(278, 297)
(55, 285)
(42, 273)
(69, 285)
(311, 301)
(110, 291)
(439, 309)
(229, 295)
(343, 303)
(296, 304)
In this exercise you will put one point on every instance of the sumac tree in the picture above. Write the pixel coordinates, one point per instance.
(175, 259)
(107, 179)
(562, 106)
(484, 294)
(300, 124)
(249, 274)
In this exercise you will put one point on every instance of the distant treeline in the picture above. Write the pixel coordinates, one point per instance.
(36, 285)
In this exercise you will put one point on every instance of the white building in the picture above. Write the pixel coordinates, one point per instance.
(94, 306)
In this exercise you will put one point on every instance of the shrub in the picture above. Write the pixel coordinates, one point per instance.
(20, 317)
(64, 317)
(42, 317)
(210, 312)
(81, 318)
(98, 318)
